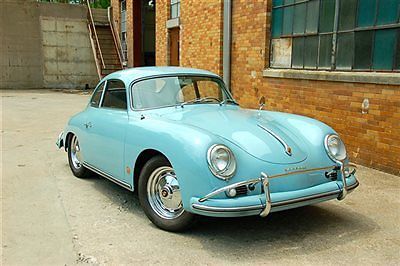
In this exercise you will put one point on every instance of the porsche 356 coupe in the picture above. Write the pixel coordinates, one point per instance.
(178, 137)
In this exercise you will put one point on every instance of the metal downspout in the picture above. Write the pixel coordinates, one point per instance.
(226, 49)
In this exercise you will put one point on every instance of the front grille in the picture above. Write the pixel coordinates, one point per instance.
(242, 190)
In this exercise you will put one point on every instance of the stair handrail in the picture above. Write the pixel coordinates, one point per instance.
(91, 23)
(95, 54)
(117, 40)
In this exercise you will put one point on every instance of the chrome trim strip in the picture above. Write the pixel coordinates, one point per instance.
(287, 148)
(227, 209)
(107, 176)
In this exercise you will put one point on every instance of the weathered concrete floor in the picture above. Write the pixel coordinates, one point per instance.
(51, 218)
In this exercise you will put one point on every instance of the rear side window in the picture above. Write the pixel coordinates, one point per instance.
(115, 95)
(95, 101)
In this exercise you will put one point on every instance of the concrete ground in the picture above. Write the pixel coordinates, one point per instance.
(49, 217)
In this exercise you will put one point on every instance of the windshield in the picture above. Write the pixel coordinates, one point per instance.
(169, 91)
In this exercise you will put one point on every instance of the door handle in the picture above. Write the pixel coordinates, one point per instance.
(88, 124)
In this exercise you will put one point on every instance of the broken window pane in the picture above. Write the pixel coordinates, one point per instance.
(325, 51)
(312, 16)
(347, 14)
(298, 49)
(311, 52)
(281, 52)
(366, 13)
(385, 41)
(345, 51)
(299, 18)
(327, 15)
(363, 50)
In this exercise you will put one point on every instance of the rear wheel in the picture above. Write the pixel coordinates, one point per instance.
(160, 196)
(75, 158)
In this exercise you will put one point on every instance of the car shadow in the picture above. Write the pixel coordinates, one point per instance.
(298, 231)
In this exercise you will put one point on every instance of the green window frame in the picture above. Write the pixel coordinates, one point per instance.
(341, 35)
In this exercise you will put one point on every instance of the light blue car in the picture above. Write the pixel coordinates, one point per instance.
(178, 137)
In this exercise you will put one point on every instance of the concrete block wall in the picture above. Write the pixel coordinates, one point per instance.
(45, 46)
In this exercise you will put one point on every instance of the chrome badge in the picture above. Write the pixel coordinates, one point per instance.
(296, 168)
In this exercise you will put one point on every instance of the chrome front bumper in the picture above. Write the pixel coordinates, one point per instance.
(264, 209)
(60, 140)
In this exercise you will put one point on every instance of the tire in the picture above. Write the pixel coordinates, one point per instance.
(75, 159)
(163, 206)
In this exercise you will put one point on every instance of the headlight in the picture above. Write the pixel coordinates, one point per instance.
(335, 147)
(221, 161)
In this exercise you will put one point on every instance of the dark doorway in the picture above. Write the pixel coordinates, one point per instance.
(144, 32)
(174, 46)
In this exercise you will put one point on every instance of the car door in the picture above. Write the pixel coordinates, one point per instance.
(106, 127)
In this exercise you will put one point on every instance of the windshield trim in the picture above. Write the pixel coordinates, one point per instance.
(223, 87)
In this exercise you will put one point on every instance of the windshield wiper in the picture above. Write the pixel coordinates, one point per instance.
(228, 100)
(199, 100)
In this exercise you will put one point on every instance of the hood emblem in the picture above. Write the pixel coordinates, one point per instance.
(288, 149)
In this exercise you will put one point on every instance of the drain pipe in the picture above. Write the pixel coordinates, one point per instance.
(226, 49)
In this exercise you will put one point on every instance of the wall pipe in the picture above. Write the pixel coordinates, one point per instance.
(226, 49)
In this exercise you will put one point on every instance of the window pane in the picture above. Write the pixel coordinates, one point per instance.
(388, 12)
(277, 3)
(311, 52)
(366, 13)
(281, 52)
(174, 11)
(299, 18)
(385, 41)
(325, 51)
(298, 49)
(347, 14)
(327, 15)
(288, 2)
(312, 16)
(115, 95)
(345, 50)
(97, 95)
(277, 22)
(287, 20)
(363, 49)
(398, 51)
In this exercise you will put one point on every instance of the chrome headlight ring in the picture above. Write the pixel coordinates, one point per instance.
(335, 148)
(221, 161)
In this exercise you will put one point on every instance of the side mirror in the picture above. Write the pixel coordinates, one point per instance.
(262, 102)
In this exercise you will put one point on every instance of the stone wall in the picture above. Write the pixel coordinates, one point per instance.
(45, 46)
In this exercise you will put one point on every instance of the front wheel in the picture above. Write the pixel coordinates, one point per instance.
(160, 196)
(75, 158)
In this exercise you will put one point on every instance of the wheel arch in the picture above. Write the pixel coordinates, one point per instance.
(141, 160)
(67, 139)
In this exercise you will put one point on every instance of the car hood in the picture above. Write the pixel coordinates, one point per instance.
(258, 133)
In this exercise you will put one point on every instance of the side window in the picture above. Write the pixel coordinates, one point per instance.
(94, 102)
(115, 95)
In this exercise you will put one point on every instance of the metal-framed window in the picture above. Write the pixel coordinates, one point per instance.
(123, 30)
(175, 9)
(343, 35)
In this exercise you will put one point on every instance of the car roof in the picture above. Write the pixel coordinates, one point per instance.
(131, 74)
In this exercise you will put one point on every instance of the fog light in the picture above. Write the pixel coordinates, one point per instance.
(231, 193)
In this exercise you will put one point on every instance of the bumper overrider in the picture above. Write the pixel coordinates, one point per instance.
(268, 202)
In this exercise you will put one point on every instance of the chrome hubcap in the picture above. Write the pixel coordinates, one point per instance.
(75, 153)
(164, 194)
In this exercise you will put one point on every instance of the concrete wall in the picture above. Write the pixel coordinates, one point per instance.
(45, 46)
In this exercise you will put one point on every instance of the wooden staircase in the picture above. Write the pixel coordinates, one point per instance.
(106, 45)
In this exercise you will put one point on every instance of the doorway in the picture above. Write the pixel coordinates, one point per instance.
(173, 46)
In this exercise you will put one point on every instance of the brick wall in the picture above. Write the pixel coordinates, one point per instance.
(201, 34)
(372, 139)
(162, 13)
